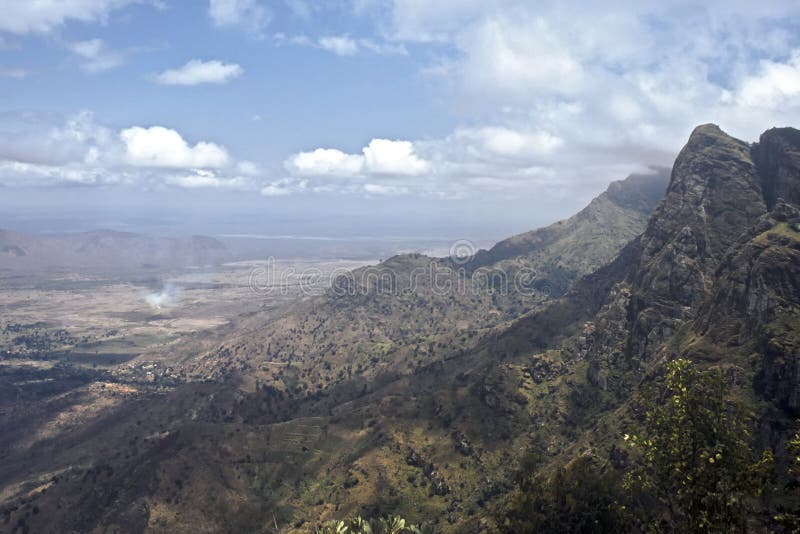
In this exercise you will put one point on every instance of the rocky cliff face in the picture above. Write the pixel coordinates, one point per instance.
(718, 261)
(756, 304)
(777, 158)
(716, 273)
(713, 196)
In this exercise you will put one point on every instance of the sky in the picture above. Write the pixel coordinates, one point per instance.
(367, 117)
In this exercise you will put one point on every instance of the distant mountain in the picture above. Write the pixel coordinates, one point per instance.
(105, 250)
(569, 249)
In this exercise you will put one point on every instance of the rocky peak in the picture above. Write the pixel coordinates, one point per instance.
(713, 196)
(777, 157)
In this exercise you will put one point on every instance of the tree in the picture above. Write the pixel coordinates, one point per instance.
(695, 453)
(790, 519)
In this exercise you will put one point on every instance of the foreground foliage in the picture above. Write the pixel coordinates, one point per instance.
(692, 469)
(695, 453)
(790, 519)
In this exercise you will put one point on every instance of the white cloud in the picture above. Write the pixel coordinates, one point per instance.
(504, 141)
(196, 72)
(384, 156)
(203, 178)
(162, 147)
(380, 157)
(35, 152)
(16, 173)
(96, 56)
(341, 45)
(546, 100)
(516, 57)
(249, 15)
(325, 162)
(42, 16)
(773, 85)
(78, 139)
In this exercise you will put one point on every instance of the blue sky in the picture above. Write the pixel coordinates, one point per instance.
(436, 118)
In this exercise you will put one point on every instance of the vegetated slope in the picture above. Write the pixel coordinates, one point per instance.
(105, 250)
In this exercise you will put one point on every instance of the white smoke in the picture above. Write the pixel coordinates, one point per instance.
(162, 299)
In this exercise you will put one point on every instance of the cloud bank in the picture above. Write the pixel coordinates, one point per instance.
(80, 151)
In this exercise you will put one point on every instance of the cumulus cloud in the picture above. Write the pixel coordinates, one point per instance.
(79, 139)
(34, 152)
(325, 162)
(384, 156)
(162, 147)
(42, 16)
(380, 157)
(773, 85)
(196, 72)
(248, 15)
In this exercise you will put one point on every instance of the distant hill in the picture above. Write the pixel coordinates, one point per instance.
(102, 250)
(569, 249)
